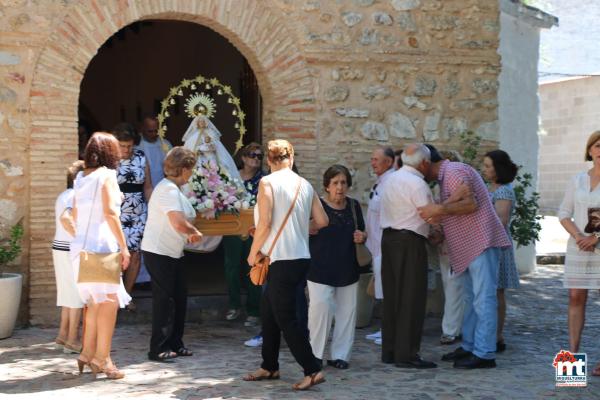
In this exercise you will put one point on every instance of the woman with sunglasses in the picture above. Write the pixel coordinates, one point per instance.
(237, 248)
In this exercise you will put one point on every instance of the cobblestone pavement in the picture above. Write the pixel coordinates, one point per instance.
(536, 330)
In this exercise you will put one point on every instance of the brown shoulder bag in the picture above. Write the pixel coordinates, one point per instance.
(363, 255)
(260, 269)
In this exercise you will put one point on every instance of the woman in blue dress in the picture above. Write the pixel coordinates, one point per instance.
(499, 170)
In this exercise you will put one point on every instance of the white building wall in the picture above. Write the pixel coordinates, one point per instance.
(570, 112)
(518, 101)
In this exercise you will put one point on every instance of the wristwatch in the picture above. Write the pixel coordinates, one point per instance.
(597, 234)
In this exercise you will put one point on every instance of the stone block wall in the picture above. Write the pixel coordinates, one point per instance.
(337, 78)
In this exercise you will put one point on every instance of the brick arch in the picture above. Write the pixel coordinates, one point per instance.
(258, 32)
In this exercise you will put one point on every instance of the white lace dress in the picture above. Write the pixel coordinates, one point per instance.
(582, 268)
(88, 202)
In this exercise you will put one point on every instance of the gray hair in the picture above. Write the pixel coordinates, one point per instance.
(414, 154)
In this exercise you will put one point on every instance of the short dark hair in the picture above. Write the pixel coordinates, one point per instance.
(398, 153)
(335, 170)
(388, 152)
(434, 154)
(506, 170)
(102, 150)
(125, 132)
(72, 172)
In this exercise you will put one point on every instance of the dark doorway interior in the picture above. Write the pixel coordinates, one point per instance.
(134, 70)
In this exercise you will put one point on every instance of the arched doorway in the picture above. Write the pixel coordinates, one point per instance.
(133, 72)
(135, 68)
(264, 36)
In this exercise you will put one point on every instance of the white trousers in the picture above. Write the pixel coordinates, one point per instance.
(453, 303)
(327, 303)
(377, 277)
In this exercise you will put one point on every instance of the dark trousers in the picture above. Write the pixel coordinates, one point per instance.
(302, 307)
(169, 302)
(236, 253)
(278, 314)
(404, 278)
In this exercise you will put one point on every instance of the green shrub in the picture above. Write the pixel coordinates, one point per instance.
(11, 247)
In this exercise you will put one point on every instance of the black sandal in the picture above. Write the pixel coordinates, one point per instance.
(184, 352)
(500, 346)
(339, 364)
(165, 356)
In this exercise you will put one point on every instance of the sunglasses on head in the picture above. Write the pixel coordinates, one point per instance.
(255, 155)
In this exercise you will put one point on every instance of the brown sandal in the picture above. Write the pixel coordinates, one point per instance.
(110, 371)
(255, 377)
(313, 381)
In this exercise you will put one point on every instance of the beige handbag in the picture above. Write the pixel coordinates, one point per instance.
(98, 267)
(259, 271)
(363, 255)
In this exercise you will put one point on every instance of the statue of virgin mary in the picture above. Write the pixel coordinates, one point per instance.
(203, 138)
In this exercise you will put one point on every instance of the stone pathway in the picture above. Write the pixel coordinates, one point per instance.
(31, 369)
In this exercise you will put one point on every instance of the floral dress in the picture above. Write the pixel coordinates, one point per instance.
(131, 175)
(251, 185)
(508, 276)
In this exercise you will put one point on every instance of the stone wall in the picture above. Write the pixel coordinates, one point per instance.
(337, 78)
(569, 114)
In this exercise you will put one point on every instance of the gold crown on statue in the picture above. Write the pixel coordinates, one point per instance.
(200, 103)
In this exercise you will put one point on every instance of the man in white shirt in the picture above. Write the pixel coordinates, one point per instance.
(155, 157)
(404, 259)
(152, 148)
(382, 162)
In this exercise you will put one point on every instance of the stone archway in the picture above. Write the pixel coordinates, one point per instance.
(256, 30)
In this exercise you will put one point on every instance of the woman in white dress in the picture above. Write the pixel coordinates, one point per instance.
(96, 209)
(67, 296)
(582, 264)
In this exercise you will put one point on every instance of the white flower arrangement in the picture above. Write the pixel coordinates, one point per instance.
(212, 191)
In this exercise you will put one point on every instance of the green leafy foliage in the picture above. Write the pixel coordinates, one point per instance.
(470, 145)
(11, 247)
(525, 226)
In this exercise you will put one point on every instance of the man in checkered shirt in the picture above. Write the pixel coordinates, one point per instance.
(474, 235)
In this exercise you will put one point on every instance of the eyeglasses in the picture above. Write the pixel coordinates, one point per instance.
(255, 155)
(373, 191)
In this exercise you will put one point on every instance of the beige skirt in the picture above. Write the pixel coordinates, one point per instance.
(67, 294)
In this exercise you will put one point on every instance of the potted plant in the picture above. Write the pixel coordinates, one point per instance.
(10, 284)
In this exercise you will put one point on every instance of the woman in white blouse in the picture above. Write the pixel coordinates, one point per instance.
(168, 230)
(582, 264)
(290, 261)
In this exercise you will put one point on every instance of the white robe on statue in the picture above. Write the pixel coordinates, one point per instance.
(207, 145)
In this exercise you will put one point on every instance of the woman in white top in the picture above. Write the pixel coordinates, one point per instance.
(67, 296)
(582, 264)
(96, 210)
(290, 261)
(168, 230)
